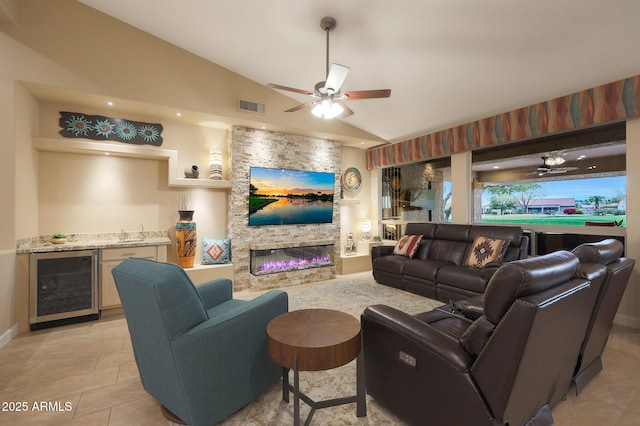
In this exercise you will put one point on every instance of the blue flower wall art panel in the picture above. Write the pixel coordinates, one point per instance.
(97, 127)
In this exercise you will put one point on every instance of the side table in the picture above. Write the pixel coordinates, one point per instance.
(315, 340)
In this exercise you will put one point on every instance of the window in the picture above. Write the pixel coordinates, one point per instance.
(573, 179)
(567, 202)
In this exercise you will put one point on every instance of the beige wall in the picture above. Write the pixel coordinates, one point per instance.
(26, 174)
(629, 312)
(461, 189)
(17, 118)
(351, 215)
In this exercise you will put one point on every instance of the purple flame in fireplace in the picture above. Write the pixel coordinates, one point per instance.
(295, 258)
(299, 263)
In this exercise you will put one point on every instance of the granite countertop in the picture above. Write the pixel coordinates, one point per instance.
(43, 244)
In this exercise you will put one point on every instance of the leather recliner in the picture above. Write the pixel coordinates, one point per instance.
(509, 366)
(618, 270)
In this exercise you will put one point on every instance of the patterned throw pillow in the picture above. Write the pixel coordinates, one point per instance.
(486, 250)
(407, 245)
(216, 251)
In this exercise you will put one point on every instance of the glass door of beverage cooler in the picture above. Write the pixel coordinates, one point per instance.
(63, 287)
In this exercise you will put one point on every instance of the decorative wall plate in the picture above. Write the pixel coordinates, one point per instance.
(351, 179)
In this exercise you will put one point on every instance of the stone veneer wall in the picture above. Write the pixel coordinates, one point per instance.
(261, 148)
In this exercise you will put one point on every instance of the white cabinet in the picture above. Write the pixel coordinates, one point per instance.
(109, 259)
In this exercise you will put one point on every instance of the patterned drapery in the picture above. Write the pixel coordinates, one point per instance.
(604, 104)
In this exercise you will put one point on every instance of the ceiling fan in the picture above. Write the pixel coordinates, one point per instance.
(327, 97)
(549, 164)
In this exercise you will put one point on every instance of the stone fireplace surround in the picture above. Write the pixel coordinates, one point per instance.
(261, 148)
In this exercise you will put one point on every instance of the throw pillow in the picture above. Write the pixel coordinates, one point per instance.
(407, 245)
(216, 251)
(485, 250)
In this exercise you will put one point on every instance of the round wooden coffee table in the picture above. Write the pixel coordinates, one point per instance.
(315, 340)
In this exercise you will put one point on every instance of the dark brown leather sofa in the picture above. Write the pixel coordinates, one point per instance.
(610, 291)
(437, 269)
(509, 366)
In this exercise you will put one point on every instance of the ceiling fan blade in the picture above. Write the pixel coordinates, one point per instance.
(337, 75)
(347, 111)
(368, 94)
(301, 106)
(290, 89)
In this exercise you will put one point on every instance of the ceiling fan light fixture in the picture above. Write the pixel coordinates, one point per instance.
(327, 109)
(555, 160)
(327, 92)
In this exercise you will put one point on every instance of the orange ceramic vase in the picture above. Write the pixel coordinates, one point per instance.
(186, 239)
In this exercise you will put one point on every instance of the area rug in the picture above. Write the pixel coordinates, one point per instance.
(352, 297)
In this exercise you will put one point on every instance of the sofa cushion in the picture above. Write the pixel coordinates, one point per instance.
(424, 269)
(427, 229)
(447, 322)
(485, 250)
(467, 278)
(450, 251)
(407, 245)
(393, 264)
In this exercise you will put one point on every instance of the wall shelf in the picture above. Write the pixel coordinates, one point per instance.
(132, 151)
(349, 202)
(200, 183)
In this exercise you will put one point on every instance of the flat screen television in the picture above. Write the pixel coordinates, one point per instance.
(289, 197)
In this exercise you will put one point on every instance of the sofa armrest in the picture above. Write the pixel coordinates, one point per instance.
(434, 346)
(418, 372)
(215, 292)
(472, 308)
(379, 251)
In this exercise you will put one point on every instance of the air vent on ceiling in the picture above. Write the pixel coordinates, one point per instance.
(251, 106)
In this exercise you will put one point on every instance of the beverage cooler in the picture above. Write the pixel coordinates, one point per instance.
(63, 288)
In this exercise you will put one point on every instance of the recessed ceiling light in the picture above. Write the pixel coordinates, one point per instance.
(109, 103)
(496, 167)
(179, 114)
(106, 153)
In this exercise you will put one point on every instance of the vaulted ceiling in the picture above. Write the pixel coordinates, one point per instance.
(447, 62)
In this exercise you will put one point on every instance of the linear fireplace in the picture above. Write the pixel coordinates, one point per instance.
(286, 259)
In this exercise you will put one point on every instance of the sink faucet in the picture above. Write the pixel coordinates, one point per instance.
(141, 232)
(122, 234)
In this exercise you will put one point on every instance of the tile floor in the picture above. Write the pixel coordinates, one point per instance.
(85, 374)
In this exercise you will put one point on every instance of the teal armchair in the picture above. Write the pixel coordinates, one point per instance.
(200, 353)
